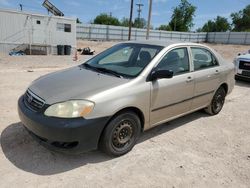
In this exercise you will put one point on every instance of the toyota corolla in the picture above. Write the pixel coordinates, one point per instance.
(109, 100)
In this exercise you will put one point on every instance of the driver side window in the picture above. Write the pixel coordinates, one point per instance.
(176, 60)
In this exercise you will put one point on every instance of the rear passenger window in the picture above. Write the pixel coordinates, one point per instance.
(176, 60)
(203, 58)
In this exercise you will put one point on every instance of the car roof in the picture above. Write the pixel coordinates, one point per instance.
(162, 43)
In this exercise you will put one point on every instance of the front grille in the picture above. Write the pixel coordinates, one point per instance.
(32, 101)
(246, 73)
(244, 65)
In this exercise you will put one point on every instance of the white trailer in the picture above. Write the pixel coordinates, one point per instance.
(28, 30)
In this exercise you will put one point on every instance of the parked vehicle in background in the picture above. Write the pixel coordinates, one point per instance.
(109, 100)
(242, 67)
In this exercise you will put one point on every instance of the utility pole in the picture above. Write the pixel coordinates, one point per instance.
(21, 7)
(140, 5)
(130, 19)
(149, 18)
(174, 23)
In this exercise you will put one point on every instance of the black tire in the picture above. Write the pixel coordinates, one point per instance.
(121, 134)
(217, 102)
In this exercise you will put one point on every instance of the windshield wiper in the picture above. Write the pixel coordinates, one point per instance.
(103, 70)
(88, 66)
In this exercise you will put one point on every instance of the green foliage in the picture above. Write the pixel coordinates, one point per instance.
(182, 17)
(78, 21)
(140, 23)
(241, 19)
(106, 19)
(164, 27)
(124, 22)
(219, 24)
(222, 24)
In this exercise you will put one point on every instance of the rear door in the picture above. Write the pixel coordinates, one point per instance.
(172, 97)
(206, 76)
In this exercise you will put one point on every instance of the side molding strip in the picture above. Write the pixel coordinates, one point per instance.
(207, 93)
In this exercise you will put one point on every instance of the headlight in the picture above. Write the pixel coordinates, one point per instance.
(70, 109)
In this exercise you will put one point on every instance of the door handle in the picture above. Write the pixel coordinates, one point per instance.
(189, 79)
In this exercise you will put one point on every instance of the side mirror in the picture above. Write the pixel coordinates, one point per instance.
(159, 74)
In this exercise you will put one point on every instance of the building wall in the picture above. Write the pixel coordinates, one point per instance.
(17, 28)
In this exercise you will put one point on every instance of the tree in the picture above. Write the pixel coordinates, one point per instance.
(222, 24)
(78, 21)
(164, 27)
(140, 23)
(125, 22)
(209, 26)
(241, 19)
(106, 19)
(219, 24)
(182, 17)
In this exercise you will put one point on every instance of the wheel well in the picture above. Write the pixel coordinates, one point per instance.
(225, 87)
(137, 111)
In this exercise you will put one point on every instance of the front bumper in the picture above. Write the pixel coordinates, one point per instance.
(74, 135)
(242, 77)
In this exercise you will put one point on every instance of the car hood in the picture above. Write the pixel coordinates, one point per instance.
(73, 83)
(244, 56)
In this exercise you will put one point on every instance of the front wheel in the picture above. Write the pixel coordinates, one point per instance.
(217, 102)
(121, 134)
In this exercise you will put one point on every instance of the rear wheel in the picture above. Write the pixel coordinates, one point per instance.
(121, 134)
(217, 102)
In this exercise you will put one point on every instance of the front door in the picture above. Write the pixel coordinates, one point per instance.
(172, 97)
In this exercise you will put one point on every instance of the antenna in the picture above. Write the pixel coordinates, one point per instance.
(52, 8)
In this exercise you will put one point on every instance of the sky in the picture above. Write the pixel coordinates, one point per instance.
(86, 10)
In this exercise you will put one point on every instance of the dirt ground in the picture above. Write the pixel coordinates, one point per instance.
(193, 151)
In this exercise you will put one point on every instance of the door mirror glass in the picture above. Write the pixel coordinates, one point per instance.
(159, 74)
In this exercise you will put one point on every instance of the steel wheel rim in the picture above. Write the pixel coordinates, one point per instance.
(218, 103)
(122, 135)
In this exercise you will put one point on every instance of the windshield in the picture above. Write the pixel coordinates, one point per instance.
(124, 60)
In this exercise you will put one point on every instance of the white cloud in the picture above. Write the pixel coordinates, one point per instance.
(5, 2)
